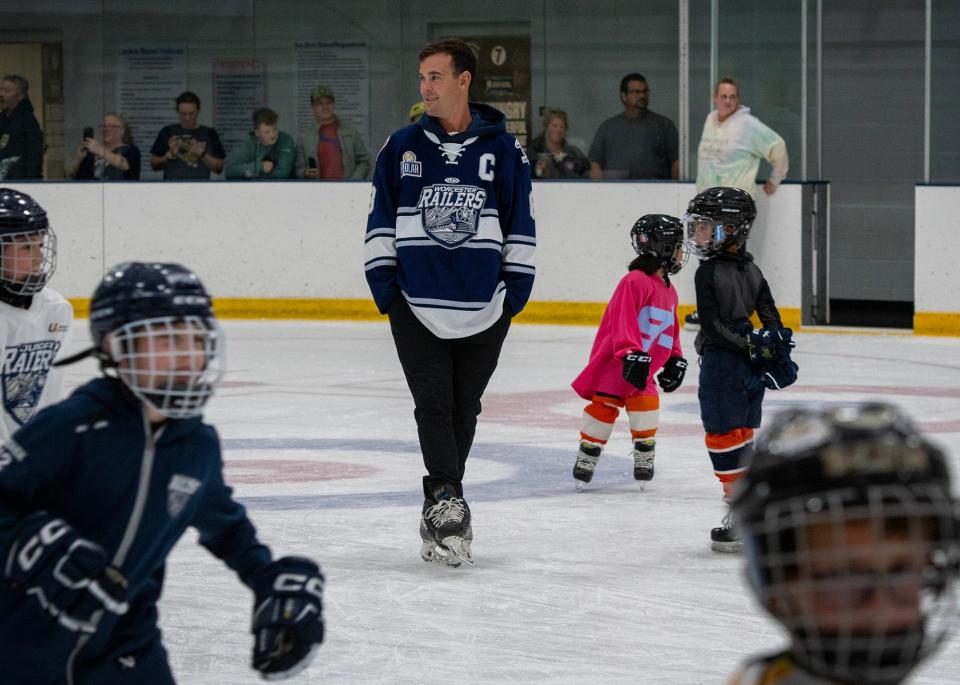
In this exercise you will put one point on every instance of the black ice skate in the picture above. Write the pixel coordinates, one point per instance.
(691, 322)
(445, 528)
(587, 458)
(643, 453)
(726, 538)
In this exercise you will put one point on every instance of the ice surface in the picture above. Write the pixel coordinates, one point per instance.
(612, 585)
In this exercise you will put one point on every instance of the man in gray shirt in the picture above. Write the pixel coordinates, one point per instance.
(638, 143)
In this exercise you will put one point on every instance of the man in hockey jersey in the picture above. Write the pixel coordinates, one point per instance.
(96, 490)
(449, 256)
(34, 319)
(852, 544)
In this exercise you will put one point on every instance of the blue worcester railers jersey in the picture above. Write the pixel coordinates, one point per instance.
(451, 224)
(89, 461)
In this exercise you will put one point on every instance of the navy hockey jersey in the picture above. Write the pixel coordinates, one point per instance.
(451, 226)
(93, 461)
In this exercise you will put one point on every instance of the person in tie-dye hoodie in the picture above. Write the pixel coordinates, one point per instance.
(638, 336)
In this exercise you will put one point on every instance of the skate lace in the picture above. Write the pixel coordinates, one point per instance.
(587, 460)
(445, 511)
(643, 459)
(727, 522)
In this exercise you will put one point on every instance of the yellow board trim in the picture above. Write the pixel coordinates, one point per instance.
(561, 313)
(936, 323)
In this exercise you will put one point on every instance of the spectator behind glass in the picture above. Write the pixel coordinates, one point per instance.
(266, 153)
(555, 158)
(115, 158)
(21, 140)
(637, 143)
(187, 150)
(333, 149)
(734, 141)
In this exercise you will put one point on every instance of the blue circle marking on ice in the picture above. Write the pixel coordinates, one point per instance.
(535, 471)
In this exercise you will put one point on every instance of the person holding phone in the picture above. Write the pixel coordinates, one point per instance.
(116, 158)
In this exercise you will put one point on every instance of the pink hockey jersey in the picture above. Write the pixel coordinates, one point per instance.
(641, 315)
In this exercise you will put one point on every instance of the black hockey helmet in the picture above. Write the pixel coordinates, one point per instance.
(709, 215)
(24, 222)
(836, 507)
(661, 236)
(139, 314)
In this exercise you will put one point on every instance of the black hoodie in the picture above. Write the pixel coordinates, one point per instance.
(21, 143)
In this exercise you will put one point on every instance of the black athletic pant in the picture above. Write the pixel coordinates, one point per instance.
(447, 379)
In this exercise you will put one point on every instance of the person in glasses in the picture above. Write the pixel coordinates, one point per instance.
(852, 544)
(113, 157)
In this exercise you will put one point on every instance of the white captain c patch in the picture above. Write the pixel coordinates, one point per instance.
(179, 492)
(409, 166)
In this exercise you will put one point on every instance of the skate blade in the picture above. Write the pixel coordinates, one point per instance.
(734, 547)
(434, 554)
(458, 547)
(578, 484)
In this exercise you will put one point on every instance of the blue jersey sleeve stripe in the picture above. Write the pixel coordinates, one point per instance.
(378, 262)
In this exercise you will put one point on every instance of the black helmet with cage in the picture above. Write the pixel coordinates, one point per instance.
(852, 541)
(661, 236)
(717, 219)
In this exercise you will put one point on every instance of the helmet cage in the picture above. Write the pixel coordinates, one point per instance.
(172, 364)
(708, 237)
(852, 538)
(28, 260)
(826, 595)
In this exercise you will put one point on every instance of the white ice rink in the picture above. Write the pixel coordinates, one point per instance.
(612, 585)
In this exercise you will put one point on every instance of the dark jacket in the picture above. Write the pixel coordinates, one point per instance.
(90, 461)
(21, 143)
(730, 288)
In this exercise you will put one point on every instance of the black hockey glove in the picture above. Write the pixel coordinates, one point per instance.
(68, 575)
(671, 376)
(287, 617)
(636, 368)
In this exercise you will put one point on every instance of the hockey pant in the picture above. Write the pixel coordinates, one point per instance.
(643, 412)
(731, 399)
(447, 378)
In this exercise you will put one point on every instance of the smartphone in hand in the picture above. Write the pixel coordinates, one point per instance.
(87, 132)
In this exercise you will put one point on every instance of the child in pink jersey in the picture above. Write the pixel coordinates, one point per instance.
(639, 335)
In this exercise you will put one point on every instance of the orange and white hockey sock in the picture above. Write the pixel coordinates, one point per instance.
(644, 414)
(727, 451)
(598, 419)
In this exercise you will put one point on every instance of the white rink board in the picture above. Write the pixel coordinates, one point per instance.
(936, 275)
(305, 240)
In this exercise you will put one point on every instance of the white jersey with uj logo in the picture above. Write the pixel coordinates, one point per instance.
(31, 339)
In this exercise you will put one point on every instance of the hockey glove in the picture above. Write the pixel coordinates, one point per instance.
(671, 376)
(762, 345)
(287, 617)
(68, 575)
(636, 368)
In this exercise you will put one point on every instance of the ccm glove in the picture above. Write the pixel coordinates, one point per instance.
(287, 617)
(671, 376)
(69, 576)
(636, 368)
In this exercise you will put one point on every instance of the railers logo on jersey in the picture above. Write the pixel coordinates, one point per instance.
(451, 211)
(25, 369)
(179, 492)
